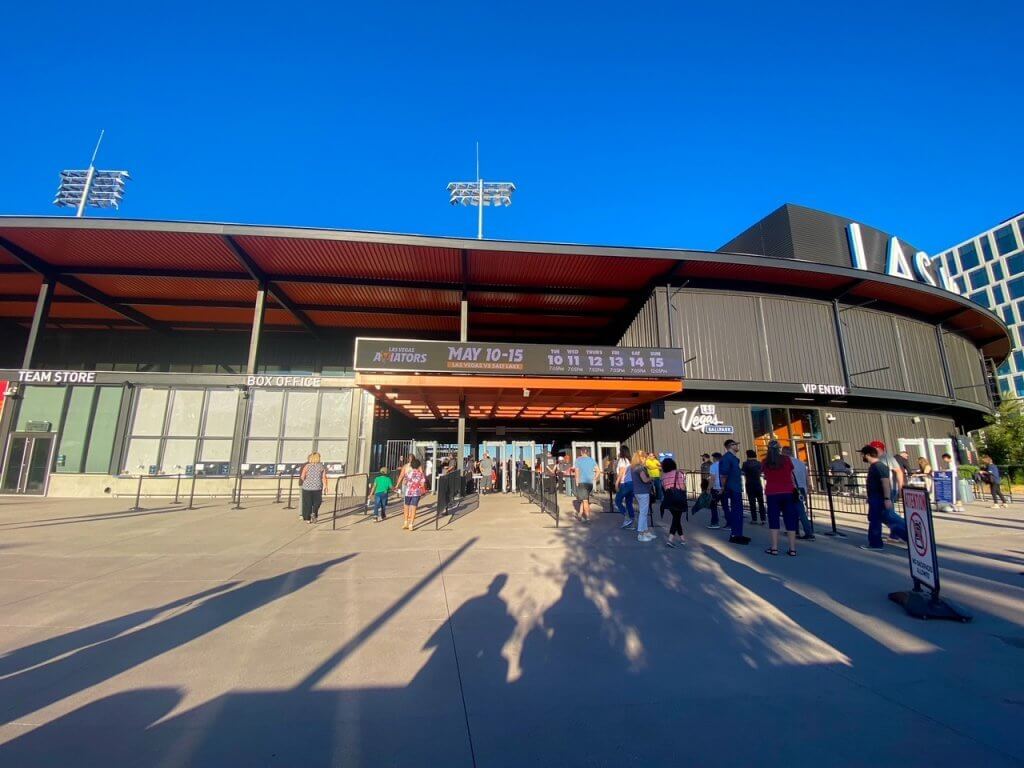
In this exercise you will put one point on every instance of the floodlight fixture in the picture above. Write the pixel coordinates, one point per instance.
(98, 189)
(481, 193)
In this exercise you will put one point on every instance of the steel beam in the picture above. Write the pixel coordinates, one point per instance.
(38, 321)
(257, 274)
(257, 330)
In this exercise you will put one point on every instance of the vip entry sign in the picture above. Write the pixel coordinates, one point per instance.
(924, 564)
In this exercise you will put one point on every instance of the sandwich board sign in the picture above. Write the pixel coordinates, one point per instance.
(924, 563)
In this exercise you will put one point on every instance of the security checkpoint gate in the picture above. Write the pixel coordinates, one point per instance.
(526, 452)
(608, 451)
(427, 452)
(577, 451)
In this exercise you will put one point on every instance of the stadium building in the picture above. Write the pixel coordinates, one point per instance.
(215, 350)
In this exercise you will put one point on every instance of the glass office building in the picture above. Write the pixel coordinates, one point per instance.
(989, 269)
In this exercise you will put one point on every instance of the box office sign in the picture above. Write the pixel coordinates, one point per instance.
(391, 355)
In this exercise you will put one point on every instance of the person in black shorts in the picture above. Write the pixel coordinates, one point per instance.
(755, 491)
(585, 471)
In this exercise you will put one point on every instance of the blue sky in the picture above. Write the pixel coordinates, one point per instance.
(671, 124)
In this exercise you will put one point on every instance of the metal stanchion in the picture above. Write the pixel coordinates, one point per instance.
(238, 490)
(291, 482)
(177, 487)
(832, 513)
(277, 497)
(192, 492)
(138, 494)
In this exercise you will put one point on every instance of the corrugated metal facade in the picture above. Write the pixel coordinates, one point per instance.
(965, 370)
(871, 346)
(647, 326)
(802, 345)
(722, 333)
(854, 428)
(688, 446)
(922, 361)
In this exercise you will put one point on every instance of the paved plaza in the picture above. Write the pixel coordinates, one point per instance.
(217, 637)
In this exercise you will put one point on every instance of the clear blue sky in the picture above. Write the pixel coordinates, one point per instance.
(672, 124)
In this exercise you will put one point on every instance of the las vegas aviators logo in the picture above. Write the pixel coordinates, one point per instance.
(399, 355)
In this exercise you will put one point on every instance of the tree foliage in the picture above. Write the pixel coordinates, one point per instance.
(1003, 439)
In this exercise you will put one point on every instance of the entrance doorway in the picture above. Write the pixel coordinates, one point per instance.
(524, 454)
(608, 456)
(27, 467)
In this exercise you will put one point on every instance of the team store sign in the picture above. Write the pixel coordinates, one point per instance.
(702, 418)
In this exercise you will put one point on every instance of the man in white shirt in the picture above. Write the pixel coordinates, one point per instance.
(800, 479)
(716, 490)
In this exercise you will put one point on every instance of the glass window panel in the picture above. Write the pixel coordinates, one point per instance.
(265, 415)
(149, 411)
(1016, 288)
(332, 451)
(295, 451)
(1018, 360)
(335, 409)
(179, 454)
(300, 420)
(1004, 369)
(986, 247)
(780, 426)
(979, 279)
(998, 296)
(215, 450)
(71, 452)
(805, 424)
(968, 256)
(1006, 242)
(104, 428)
(997, 271)
(41, 404)
(142, 455)
(261, 452)
(186, 407)
(1015, 265)
(220, 413)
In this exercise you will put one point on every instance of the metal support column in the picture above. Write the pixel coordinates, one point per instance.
(257, 329)
(463, 336)
(841, 338)
(38, 321)
(940, 334)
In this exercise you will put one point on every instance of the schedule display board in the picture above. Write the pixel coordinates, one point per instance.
(395, 355)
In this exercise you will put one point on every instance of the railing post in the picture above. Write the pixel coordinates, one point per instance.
(238, 490)
(291, 482)
(138, 494)
(277, 497)
(192, 491)
(177, 486)
(832, 511)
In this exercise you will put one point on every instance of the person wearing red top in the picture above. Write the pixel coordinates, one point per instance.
(779, 489)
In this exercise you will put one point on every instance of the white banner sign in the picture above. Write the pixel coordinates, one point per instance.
(924, 565)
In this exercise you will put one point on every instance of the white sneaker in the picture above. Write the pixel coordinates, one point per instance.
(994, 506)
(714, 526)
(644, 537)
(626, 523)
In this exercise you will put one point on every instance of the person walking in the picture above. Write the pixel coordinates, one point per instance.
(716, 489)
(624, 486)
(642, 489)
(313, 480)
(382, 486)
(992, 476)
(732, 492)
(800, 497)
(897, 477)
(755, 491)
(486, 478)
(779, 487)
(609, 481)
(415, 487)
(674, 500)
(705, 472)
(586, 475)
(839, 475)
(880, 500)
(653, 465)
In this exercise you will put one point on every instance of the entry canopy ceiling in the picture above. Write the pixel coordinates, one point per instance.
(190, 276)
(437, 396)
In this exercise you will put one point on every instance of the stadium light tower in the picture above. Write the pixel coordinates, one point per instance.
(481, 193)
(99, 189)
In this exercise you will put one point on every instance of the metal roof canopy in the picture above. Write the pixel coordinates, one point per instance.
(438, 396)
(328, 279)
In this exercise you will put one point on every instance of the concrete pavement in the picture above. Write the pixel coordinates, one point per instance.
(214, 637)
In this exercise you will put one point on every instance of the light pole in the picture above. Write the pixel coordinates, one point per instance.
(99, 189)
(480, 193)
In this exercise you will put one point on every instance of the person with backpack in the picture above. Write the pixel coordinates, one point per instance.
(673, 485)
(755, 491)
